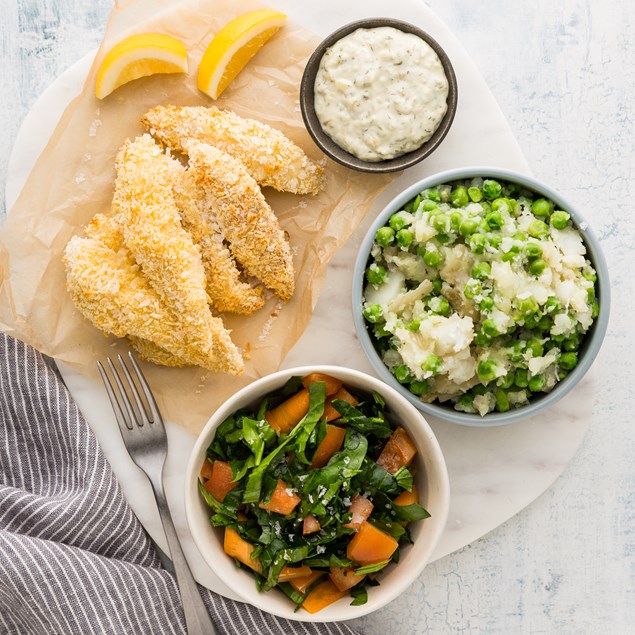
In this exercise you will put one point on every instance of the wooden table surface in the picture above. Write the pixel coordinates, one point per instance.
(564, 75)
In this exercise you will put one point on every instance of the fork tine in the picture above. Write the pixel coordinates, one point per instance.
(143, 413)
(114, 400)
(129, 410)
(152, 404)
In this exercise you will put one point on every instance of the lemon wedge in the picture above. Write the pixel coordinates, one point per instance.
(139, 56)
(233, 46)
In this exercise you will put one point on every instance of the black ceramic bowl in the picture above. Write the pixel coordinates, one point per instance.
(328, 146)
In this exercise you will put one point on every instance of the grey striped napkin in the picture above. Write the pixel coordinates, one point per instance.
(74, 560)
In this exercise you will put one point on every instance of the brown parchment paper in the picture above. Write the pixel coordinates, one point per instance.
(73, 179)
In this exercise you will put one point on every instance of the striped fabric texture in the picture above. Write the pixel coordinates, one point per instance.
(74, 560)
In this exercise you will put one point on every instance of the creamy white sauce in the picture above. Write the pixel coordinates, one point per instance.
(380, 93)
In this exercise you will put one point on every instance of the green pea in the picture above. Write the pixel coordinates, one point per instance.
(595, 308)
(541, 207)
(486, 208)
(385, 236)
(419, 387)
(489, 328)
(502, 401)
(507, 381)
(432, 364)
(531, 321)
(568, 360)
(432, 258)
(444, 239)
(537, 267)
(538, 229)
(414, 325)
(521, 378)
(478, 243)
(412, 206)
(589, 275)
(536, 347)
(472, 288)
(491, 189)
(501, 205)
(455, 221)
(494, 220)
(480, 389)
(403, 374)
(433, 194)
(559, 219)
(405, 238)
(486, 304)
(537, 383)
(475, 194)
(379, 330)
(572, 343)
(398, 221)
(552, 305)
(441, 223)
(421, 251)
(533, 250)
(428, 206)
(437, 284)
(513, 252)
(481, 270)
(544, 324)
(520, 236)
(495, 240)
(515, 350)
(459, 197)
(528, 306)
(376, 274)
(486, 370)
(468, 226)
(482, 339)
(373, 313)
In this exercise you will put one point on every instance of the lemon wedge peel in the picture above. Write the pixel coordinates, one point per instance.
(233, 46)
(138, 56)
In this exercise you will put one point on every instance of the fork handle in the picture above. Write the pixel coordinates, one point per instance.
(197, 619)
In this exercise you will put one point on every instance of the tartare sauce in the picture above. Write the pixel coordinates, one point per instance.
(380, 93)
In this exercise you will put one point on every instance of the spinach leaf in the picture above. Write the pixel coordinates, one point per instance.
(357, 420)
(371, 568)
(410, 512)
(254, 480)
(317, 398)
(359, 595)
(403, 476)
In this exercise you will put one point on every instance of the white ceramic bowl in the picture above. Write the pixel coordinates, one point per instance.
(431, 480)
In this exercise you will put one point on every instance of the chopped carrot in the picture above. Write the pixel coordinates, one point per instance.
(206, 469)
(293, 573)
(283, 501)
(220, 483)
(398, 452)
(240, 549)
(329, 412)
(370, 545)
(322, 596)
(287, 415)
(302, 584)
(407, 498)
(361, 509)
(310, 525)
(332, 384)
(330, 444)
(344, 578)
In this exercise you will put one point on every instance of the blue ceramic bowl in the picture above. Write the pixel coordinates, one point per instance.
(589, 347)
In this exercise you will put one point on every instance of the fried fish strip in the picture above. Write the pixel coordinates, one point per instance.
(107, 230)
(226, 291)
(109, 290)
(147, 212)
(251, 228)
(270, 158)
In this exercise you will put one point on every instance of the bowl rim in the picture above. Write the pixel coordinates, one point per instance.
(437, 466)
(596, 334)
(336, 152)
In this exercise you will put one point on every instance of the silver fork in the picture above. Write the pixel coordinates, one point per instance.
(145, 439)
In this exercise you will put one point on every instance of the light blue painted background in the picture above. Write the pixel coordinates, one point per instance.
(563, 72)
